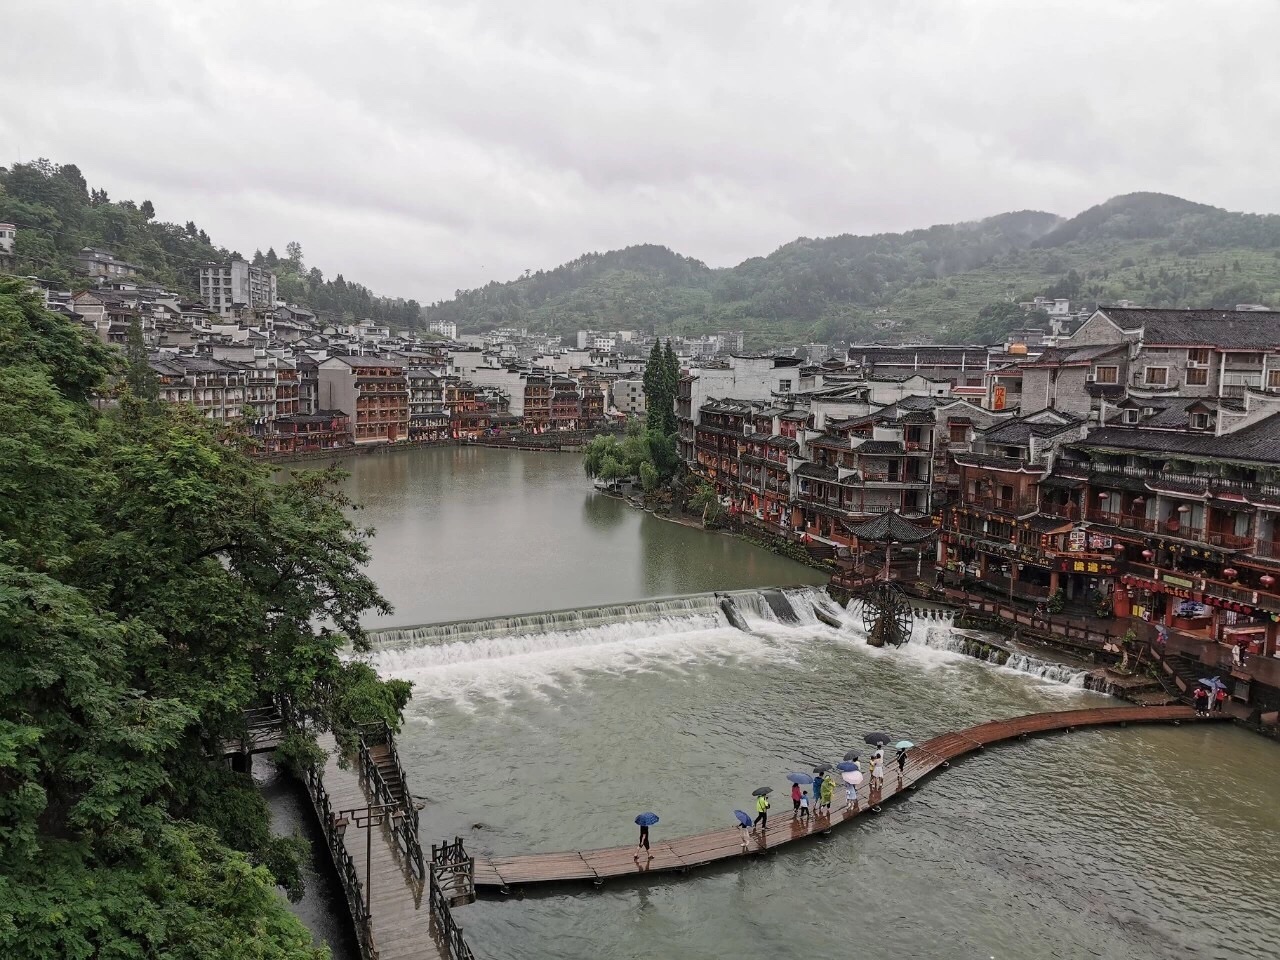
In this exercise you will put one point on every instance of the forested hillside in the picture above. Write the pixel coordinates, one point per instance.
(944, 282)
(57, 214)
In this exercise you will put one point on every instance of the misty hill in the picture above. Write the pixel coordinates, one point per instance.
(1154, 249)
(57, 214)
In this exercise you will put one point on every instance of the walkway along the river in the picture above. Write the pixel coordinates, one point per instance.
(505, 874)
(370, 822)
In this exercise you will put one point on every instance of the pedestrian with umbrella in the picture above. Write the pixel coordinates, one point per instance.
(851, 776)
(644, 821)
(762, 807)
(902, 747)
(744, 826)
(877, 773)
(1200, 698)
(818, 781)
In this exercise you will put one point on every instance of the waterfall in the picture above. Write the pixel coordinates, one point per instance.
(946, 638)
(703, 607)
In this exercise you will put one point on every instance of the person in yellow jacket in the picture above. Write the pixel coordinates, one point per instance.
(762, 813)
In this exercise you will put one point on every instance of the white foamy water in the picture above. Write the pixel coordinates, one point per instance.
(498, 660)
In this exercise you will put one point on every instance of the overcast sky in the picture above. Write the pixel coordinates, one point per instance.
(428, 145)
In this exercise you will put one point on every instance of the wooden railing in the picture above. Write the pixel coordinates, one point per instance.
(405, 828)
(343, 863)
(452, 884)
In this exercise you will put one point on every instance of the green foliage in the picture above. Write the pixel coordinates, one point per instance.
(154, 584)
(610, 458)
(649, 478)
(706, 501)
(57, 215)
(923, 283)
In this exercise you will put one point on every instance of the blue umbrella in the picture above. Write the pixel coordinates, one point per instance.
(647, 819)
(1213, 683)
(801, 778)
(846, 766)
(743, 818)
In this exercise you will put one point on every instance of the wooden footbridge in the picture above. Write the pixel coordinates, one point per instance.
(506, 874)
(402, 902)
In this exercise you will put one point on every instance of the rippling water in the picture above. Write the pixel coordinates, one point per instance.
(1135, 842)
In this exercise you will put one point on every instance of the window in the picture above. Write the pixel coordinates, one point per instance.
(1198, 355)
(1197, 376)
(1199, 421)
(1157, 376)
(784, 386)
(1107, 374)
(1273, 379)
(1131, 416)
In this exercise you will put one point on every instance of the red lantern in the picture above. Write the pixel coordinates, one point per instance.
(1230, 572)
(1147, 554)
(1118, 547)
(1266, 580)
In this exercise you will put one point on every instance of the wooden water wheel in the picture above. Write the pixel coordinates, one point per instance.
(886, 614)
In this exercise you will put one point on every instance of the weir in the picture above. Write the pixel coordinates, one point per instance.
(776, 604)
(800, 608)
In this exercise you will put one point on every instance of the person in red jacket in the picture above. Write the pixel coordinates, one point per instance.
(1218, 698)
(1201, 700)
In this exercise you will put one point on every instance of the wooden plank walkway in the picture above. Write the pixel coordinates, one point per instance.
(398, 905)
(685, 853)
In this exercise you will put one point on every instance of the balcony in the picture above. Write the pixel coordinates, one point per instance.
(1006, 505)
(1228, 541)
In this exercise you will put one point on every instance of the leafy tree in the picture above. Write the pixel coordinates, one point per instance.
(147, 210)
(140, 378)
(154, 584)
(705, 500)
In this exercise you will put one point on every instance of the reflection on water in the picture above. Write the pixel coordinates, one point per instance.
(466, 532)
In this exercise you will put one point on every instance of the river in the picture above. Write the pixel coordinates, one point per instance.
(554, 732)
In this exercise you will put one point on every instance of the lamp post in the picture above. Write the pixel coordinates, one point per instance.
(367, 818)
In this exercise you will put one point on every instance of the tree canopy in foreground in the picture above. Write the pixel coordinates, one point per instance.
(154, 584)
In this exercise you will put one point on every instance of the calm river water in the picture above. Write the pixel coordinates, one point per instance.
(1125, 843)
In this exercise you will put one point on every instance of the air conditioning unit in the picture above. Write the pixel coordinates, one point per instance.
(1091, 378)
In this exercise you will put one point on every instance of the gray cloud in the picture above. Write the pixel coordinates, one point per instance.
(420, 148)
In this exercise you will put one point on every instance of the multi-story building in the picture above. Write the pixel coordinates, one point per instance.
(1149, 353)
(1191, 508)
(994, 531)
(743, 378)
(215, 388)
(372, 391)
(536, 410)
(8, 243)
(312, 432)
(96, 262)
(627, 396)
(237, 286)
(428, 415)
(468, 414)
(308, 370)
(566, 404)
(593, 392)
(445, 328)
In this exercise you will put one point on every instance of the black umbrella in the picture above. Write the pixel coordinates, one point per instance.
(877, 739)
(822, 768)
(852, 755)
(762, 791)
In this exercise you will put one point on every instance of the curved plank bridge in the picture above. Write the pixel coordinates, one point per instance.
(685, 853)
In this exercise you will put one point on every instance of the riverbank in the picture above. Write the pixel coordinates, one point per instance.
(560, 442)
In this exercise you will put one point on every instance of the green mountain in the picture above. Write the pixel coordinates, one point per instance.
(949, 282)
(57, 215)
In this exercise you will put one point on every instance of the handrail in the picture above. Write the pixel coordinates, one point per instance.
(452, 883)
(346, 867)
(405, 827)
